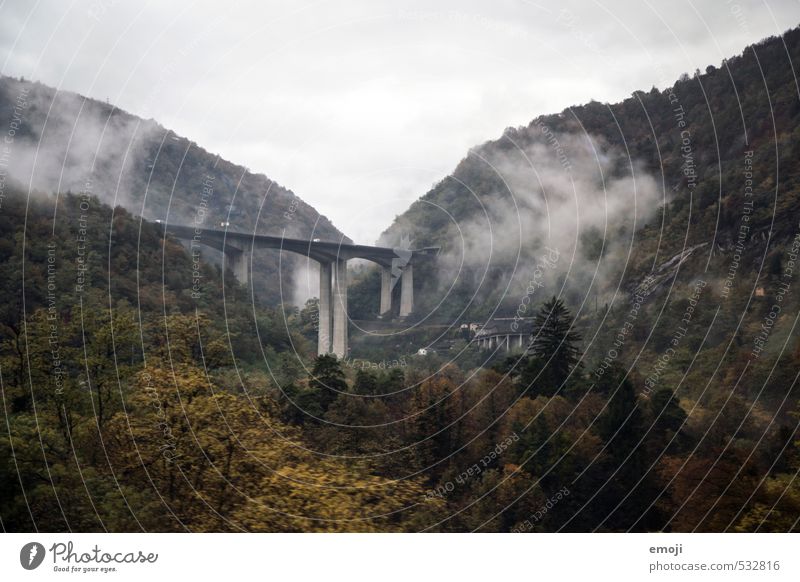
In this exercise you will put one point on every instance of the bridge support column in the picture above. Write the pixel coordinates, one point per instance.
(407, 291)
(239, 261)
(386, 290)
(340, 319)
(325, 315)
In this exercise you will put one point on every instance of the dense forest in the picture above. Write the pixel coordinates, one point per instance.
(135, 401)
(143, 390)
(131, 405)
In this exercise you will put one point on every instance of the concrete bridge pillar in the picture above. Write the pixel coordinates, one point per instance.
(340, 319)
(407, 291)
(386, 290)
(325, 315)
(239, 262)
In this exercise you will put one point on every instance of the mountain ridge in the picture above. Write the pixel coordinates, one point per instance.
(65, 142)
(688, 144)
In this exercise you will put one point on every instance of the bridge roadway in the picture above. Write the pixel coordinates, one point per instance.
(320, 251)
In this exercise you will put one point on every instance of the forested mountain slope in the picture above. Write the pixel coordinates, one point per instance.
(137, 398)
(621, 189)
(65, 142)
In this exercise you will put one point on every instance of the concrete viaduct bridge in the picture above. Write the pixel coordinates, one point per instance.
(396, 264)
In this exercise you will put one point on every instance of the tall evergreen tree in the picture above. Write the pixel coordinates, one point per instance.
(325, 383)
(629, 490)
(555, 343)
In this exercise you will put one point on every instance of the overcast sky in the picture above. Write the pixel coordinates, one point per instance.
(359, 107)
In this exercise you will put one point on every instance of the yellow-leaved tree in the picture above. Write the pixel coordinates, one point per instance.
(215, 460)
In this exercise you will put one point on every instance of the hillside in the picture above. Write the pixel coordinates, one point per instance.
(659, 173)
(65, 142)
(621, 191)
(691, 187)
(133, 402)
(668, 226)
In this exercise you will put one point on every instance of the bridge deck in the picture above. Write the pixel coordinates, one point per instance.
(322, 251)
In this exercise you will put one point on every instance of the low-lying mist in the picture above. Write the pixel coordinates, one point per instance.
(67, 143)
(553, 212)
